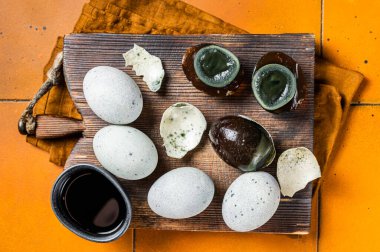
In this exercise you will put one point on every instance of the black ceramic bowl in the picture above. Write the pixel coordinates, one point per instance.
(61, 211)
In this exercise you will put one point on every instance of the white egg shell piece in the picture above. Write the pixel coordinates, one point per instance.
(125, 151)
(296, 167)
(250, 201)
(181, 193)
(181, 128)
(112, 95)
(147, 65)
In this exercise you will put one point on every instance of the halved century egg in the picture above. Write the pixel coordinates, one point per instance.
(212, 69)
(278, 82)
(242, 143)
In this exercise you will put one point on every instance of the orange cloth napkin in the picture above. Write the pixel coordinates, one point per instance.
(333, 96)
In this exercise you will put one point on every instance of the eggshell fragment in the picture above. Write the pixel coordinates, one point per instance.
(125, 151)
(181, 193)
(112, 95)
(147, 65)
(250, 201)
(296, 167)
(182, 126)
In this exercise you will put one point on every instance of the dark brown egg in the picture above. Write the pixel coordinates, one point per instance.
(212, 69)
(278, 82)
(242, 143)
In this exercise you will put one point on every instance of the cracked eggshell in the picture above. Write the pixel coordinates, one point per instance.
(296, 167)
(125, 151)
(250, 201)
(112, 95)
(182, 126)
(181, 193)
(146, 65)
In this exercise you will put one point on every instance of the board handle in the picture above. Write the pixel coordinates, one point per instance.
(50, 127)
(55, 127)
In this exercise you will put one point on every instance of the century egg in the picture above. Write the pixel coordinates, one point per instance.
(181, 193)
(126, 152)
(242, 143)
(212, 69)
(250, 201)
(112, 95)
(278, 82)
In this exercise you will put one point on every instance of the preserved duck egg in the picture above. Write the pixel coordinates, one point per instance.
(212, 69)
(242, 143)
(278, 82)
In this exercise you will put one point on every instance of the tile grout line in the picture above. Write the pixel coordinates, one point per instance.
(134, 240)
(319, 216)
(357, 104)
(322, 27)
(14, 100)
(320, 194)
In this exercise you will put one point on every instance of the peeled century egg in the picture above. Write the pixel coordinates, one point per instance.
(125, 151)
(250, 201)
(112, 95)
(212, 69)
(242, 143)
(278, 82)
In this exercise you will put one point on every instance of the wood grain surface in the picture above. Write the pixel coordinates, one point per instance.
(85, 51)
(55, 127)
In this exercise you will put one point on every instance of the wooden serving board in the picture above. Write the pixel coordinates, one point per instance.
(85, 51)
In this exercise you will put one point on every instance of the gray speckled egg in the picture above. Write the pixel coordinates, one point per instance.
(125, 151)
(250, 201)
(112, 95)
(181, 193)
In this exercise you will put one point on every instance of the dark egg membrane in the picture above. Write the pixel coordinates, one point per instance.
(242, 143)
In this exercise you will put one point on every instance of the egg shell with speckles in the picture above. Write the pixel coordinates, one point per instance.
(181, 193)
(112, 95)
(250, 201)
(296, 167)
(125, 151)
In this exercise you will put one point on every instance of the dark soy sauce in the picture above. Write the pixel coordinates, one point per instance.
(93, 202)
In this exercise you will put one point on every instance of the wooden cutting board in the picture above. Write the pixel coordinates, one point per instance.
(85, 51)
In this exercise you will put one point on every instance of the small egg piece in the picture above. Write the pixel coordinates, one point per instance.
(242, 143)
(112, 95)
(212, 69)
(146, 65)
(126, 152)
(250, 201)
(296, 167)
(181, 193)
(278, 82)
(182, 126)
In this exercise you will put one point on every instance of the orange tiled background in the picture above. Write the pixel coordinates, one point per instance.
(347, 33)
